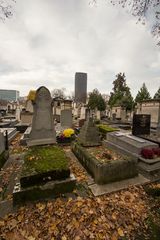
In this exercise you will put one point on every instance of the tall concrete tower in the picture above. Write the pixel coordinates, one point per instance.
(80, 87)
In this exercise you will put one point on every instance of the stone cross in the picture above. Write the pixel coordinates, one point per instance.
(43, 131)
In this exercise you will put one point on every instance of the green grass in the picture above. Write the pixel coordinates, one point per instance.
(154, 229)
(44, 159)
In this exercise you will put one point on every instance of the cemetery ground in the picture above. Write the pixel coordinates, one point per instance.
(133, 213)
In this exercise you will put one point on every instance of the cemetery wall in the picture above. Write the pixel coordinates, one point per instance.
(151, 107)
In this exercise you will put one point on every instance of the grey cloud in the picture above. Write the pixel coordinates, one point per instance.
(48, 41)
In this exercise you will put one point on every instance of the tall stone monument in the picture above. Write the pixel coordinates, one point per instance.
(43, 131)
(80, 87)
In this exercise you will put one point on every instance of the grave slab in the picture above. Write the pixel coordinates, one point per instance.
(150, 168)
(99, 190)
(48, 190)
(12, 133)
(128, 142)
(25, 137)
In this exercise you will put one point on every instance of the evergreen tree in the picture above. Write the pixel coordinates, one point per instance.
(96, 101)
(157, 94)
(121, 95)
(142, 94)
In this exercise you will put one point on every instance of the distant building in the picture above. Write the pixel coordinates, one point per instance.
(80, 87)
(152, 107)
(9, 95)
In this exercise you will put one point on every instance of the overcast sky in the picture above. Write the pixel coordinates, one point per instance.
(47, 41)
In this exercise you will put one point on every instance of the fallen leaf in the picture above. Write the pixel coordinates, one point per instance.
(120, 232)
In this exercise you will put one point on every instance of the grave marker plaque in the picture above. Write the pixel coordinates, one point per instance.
(141, 124)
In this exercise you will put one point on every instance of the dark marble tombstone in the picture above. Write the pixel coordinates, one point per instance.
(43, 131)
(141, 124)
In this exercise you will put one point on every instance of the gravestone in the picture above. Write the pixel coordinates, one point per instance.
(141, 124)
(18, 114)
(43, 131)
(113, 116)
(29, 106)
(66, 118)
(89, 134)
(2, 143)
(83, 113)
(4, 153)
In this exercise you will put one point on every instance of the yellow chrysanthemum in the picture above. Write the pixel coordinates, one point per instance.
(68, 132)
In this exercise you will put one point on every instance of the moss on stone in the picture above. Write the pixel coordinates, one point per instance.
(44, 159)
(105, 128)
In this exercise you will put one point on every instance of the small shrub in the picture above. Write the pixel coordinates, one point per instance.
(147, 153)
(156, 151)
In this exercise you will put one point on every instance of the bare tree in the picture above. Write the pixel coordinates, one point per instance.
(58, 93)
(143, 10)
(6, 9)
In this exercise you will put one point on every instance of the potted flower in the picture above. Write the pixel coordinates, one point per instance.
(66, 136)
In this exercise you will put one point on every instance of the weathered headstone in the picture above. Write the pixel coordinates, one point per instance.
(83, 113)
(18, 114)
(141, 124)
(43, 131)
(2, 143)
(114, 116)
(89, 134)
(29, 106)
(4, 153)
(66, 118)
